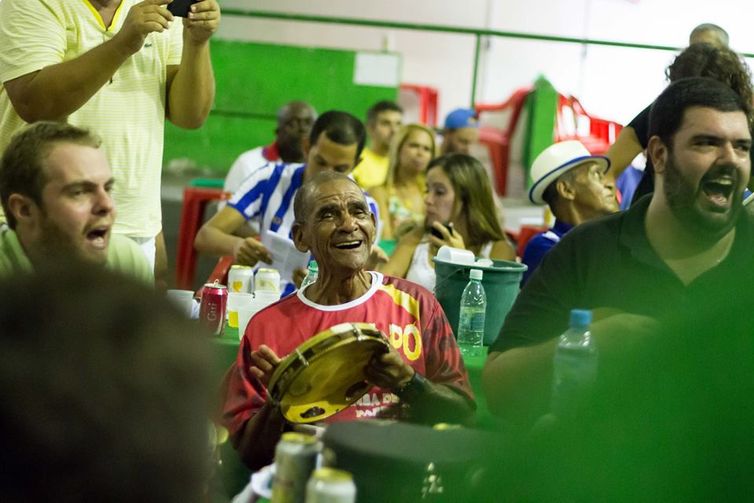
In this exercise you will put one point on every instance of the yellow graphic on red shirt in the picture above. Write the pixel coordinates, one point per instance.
(408, 339)
(404, 300)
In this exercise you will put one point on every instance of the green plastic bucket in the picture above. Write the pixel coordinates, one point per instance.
(501, 283)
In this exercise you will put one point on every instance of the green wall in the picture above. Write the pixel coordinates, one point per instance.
(253, 81)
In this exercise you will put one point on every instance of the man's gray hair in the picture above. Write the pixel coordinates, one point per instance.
(303, 195)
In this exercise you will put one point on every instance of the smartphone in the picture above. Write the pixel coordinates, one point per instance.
(180, 8)
(437, 233)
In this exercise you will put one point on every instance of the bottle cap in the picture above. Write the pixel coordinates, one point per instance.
(313, 265)
(581, 317)
(476, 274)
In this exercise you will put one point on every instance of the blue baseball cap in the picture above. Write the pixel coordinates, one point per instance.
(461, 118)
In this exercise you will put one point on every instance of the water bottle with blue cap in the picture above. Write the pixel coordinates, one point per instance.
(574, 366)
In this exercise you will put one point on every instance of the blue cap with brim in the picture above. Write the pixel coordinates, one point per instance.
(461, 118)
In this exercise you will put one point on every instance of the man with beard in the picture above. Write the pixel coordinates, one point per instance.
(294, 122)
(56, 191)
(671, 253)
(420, 377)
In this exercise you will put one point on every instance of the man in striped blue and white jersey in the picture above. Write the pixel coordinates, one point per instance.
(266, 196)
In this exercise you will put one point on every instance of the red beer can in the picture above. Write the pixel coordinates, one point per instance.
(212, 307)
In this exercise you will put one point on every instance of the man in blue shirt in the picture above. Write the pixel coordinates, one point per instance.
(266, 196)
(572, 183)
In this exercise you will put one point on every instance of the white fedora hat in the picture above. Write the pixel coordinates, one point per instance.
(556, 160)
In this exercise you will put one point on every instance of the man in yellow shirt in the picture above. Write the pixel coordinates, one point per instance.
(56, 190)
(119, 67)
(384, 119)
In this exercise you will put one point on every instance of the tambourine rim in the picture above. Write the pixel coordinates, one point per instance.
(365, 330)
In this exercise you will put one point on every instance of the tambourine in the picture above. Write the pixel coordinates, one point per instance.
(325, 374)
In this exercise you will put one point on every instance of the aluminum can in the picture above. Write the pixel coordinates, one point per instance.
(295, 459)
(330, 485)
(240, 278)
(213, 306)
(267, 280)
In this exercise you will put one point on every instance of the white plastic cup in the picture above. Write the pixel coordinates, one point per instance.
(266, 297)
(245, 313)
(183, 300)
(456, 255)
(235, 301)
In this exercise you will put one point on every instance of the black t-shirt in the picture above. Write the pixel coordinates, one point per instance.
(609, 263)
(640, 125)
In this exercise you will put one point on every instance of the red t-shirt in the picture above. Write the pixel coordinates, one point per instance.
(407, 313)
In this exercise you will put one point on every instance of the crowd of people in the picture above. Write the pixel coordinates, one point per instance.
(81, 252)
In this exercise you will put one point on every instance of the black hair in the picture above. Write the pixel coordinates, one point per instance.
(340, 127)
(382, 106)
(668, 109)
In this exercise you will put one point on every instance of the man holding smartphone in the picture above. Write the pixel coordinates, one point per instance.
(118, 67)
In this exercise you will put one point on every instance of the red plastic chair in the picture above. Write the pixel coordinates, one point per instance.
(422, 97)
(195, 201)
(496, 134)
(220, 272)
(574, 123)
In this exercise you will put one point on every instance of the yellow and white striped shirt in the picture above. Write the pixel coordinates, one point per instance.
(128, 113)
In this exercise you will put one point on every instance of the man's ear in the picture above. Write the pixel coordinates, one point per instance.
(657, 152)
(306, 146)
(565, 190)
(21, 207)
(297, 232)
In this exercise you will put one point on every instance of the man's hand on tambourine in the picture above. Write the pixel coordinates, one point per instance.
(264, 361)
(388, 370)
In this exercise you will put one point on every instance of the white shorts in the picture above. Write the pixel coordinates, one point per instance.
(148, 247)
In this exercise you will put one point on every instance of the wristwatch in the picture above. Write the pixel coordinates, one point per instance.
(415, 386)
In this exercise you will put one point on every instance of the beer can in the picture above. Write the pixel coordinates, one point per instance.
(267, 280)
(239, 279)
(213, 306)
(295, 459)
(330, 485)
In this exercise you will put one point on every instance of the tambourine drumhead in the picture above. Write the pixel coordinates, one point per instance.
(325, 374)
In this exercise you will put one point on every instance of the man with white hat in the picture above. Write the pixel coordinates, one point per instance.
(573, 184)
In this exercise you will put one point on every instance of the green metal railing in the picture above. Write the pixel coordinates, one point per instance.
(477, 33)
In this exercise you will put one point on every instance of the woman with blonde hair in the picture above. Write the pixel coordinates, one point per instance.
(401, 197)
(460, 212)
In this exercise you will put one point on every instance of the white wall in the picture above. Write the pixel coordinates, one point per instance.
(611, 82)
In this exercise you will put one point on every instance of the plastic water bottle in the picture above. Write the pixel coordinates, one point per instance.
(311, 274)
(471, 317)
(574, 366)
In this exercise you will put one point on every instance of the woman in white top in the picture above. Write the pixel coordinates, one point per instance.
(460, 212)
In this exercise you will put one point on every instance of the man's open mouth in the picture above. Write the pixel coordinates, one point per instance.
(98, 236)
(349, 245)
(718, 190)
